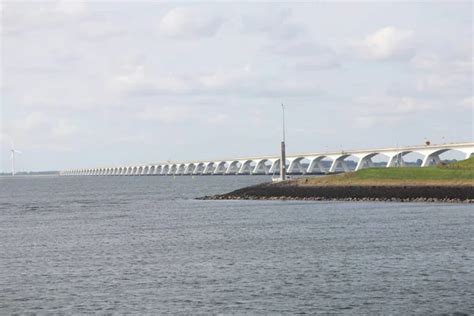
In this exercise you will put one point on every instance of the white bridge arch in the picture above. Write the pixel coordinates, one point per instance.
(270, 164)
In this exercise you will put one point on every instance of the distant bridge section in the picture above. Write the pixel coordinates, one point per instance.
(271, 164)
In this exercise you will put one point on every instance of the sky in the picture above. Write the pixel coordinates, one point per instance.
(87, 84)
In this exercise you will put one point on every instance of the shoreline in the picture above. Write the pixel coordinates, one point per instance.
(288, 190)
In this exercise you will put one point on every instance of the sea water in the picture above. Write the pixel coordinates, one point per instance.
(145, 245)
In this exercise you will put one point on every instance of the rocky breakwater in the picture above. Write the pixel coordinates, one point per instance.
(294, 190)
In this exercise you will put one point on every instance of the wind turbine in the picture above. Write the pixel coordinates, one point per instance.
(12, 157)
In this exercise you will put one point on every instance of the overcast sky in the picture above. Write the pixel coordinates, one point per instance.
(100, 83)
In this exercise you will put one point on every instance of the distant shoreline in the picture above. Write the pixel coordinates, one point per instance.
(29, 175)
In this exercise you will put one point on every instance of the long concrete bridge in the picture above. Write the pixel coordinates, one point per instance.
(271, 164)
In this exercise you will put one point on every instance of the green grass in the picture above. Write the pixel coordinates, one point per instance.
(430, 173)
(467, 164)
(460, 173)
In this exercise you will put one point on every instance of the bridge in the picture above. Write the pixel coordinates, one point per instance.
(270, 164)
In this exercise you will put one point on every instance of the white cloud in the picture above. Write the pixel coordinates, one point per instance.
(443, 74)
(305, 55)
(33, 121)
(244, 81)
(224, 79)
(386, 43)
(70, 7)
(382, 110)
(464, 65)
(63, 129)
(299, 48)
(38, 125)
(21, 17)
(388, 105)
(468, 102)
(425, 61)
(446, 83)
(4, 140)
(138, 81)
(99, 29)
(166, 114)
(219, 118)
(429, 61)
(187, 22)
(276, 23)
(317, 63)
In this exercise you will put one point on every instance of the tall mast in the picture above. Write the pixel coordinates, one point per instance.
(283, 156)
(13, 162)
(283, 121)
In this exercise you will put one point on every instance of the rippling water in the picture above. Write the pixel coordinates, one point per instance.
(144, 245)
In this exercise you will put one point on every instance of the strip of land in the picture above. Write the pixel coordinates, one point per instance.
(446, 183)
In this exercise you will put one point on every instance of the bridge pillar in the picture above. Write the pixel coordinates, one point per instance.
(261, 167)
(315, 164)
(189, 168)
(199, 168)
(171, 169)
(295, 163)
(275, 167)
(165, 169)
(220, 168)
(431, 159)
(208, 168)
(396, 159)
(431, 156)
(232, 167)
(339, 162)
(181, 168)
(245, 167)
(151, 170)
(365, 161)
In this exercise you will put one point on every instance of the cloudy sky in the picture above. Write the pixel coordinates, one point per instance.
(101, 83)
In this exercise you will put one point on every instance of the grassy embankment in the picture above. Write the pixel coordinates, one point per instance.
(458, 173)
